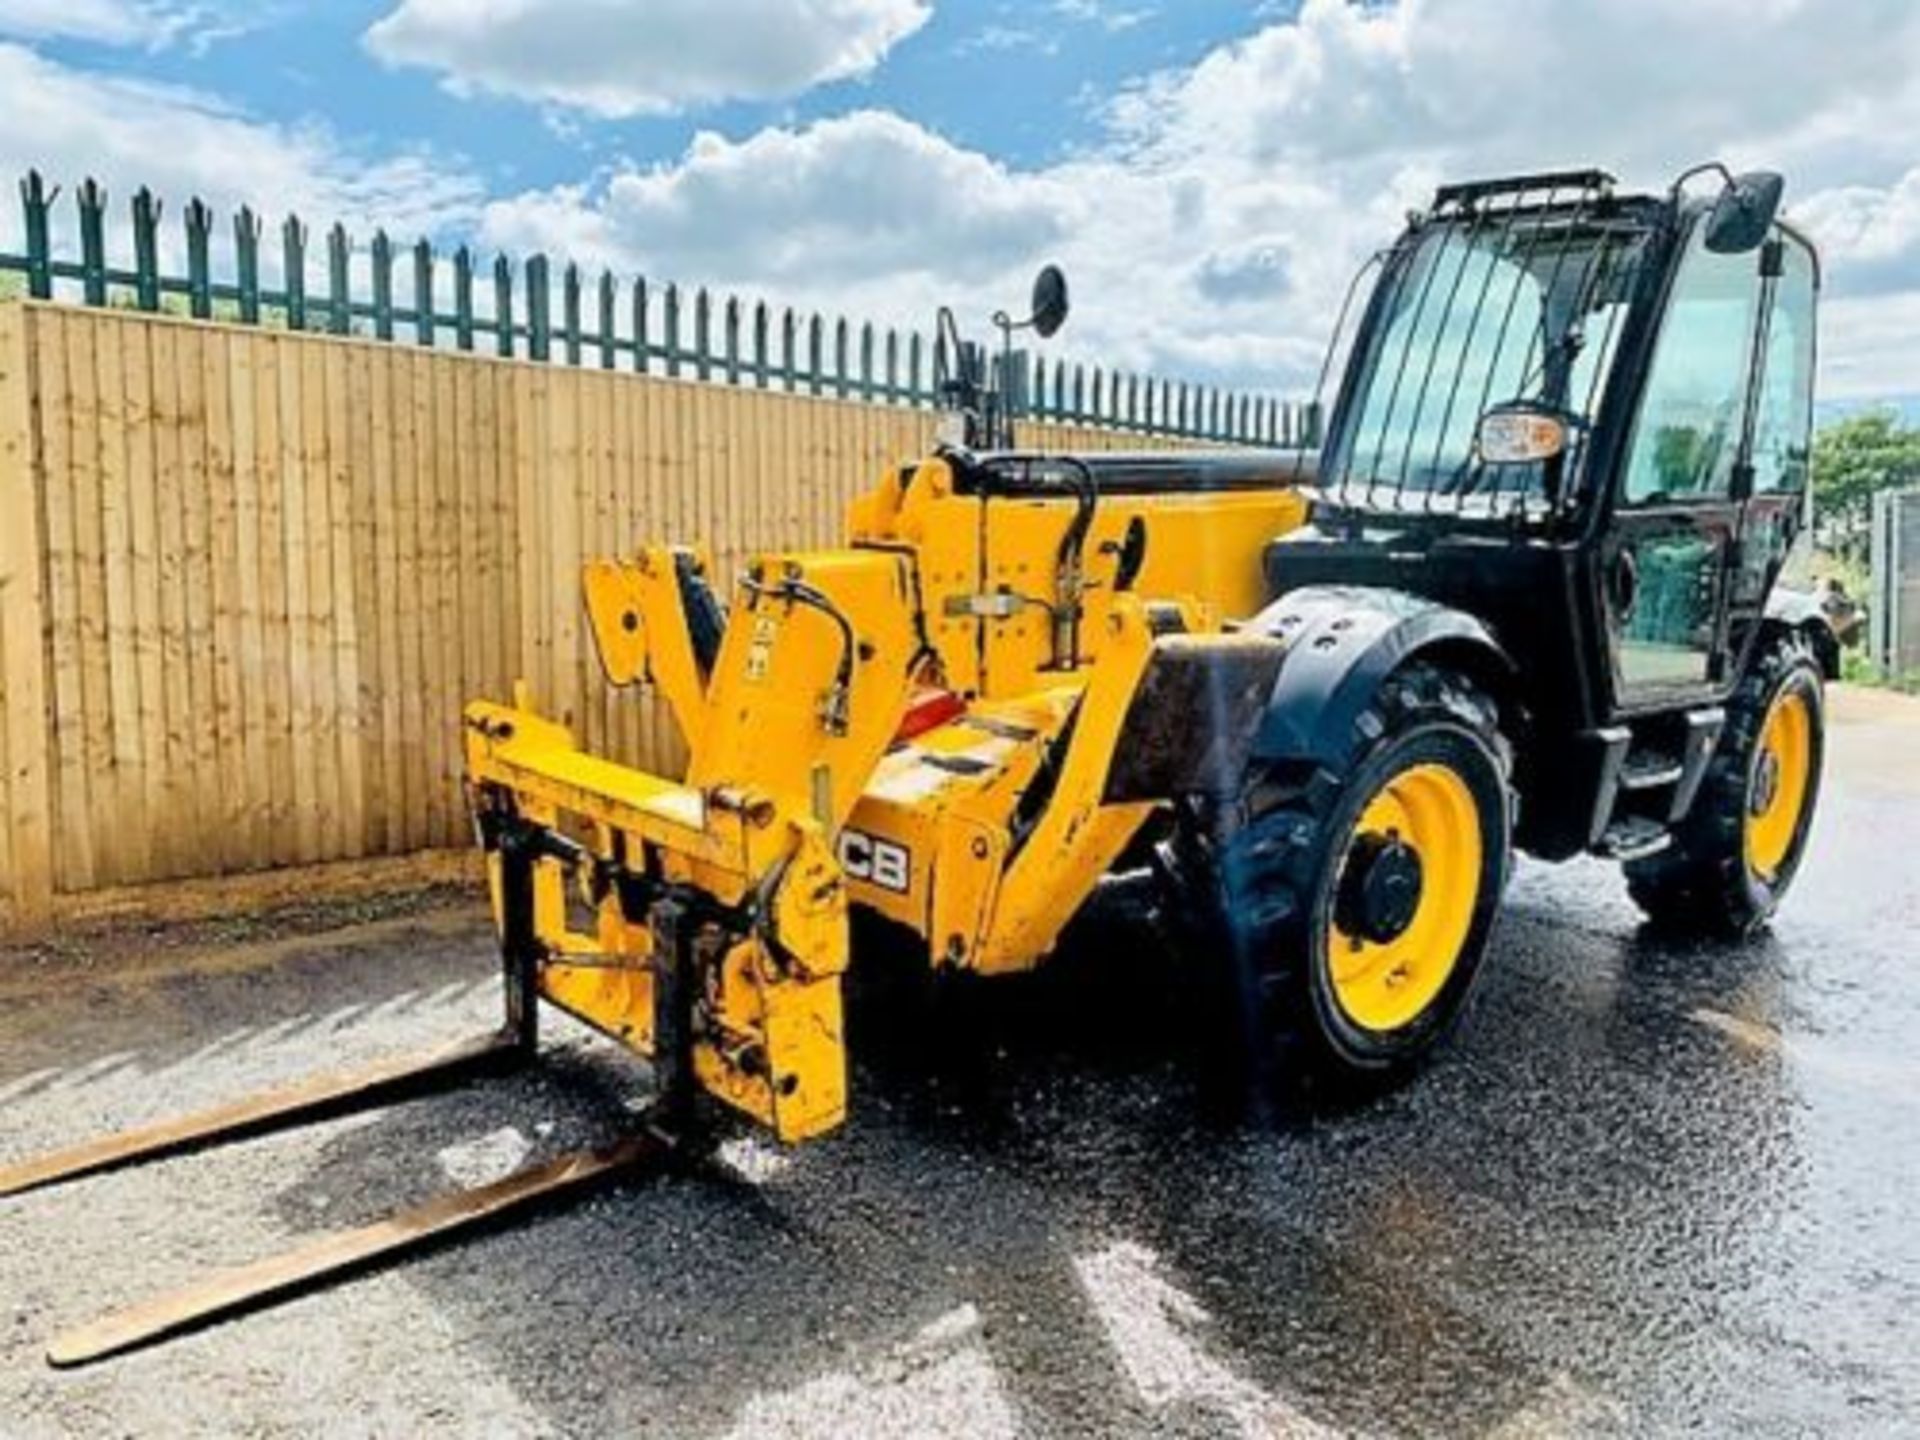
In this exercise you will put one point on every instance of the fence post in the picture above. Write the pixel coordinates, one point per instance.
(246, 263)
(816, 348)
(915, 354)
(339, 281)
(146, 250)
(840, 366)
(26, 785)
(198, 220)
(36, 201)
(760, 344)
(893, 366)
(92, 203)
(866, 361)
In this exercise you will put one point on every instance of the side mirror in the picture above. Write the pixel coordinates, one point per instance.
(1050, 304)
(1744, 214)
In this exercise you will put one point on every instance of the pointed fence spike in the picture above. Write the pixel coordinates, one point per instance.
(36, 206)
(247, 229)
(570, 311)
(789, 349)
(760, 344)
(503, 327)
(730, 340)
(539, 272)
(197, 219)
(339, 280)
(293, 237)
(702, 334)
(91, 201)
(146, 250)
(380, 254)
(609, 302)
(671, 305)
(423, 296)
(463, 298)
(642, 346)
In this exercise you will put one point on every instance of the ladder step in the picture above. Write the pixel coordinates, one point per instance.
(332, 1256)
(1651, 772)
(303, 1100)
(1633, 837)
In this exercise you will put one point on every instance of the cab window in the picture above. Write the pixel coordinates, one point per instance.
(1688, 430)
(1783, 418)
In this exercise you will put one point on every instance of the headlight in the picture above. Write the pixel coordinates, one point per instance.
(1520, 435)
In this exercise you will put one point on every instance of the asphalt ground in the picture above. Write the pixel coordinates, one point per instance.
(1649, 1189)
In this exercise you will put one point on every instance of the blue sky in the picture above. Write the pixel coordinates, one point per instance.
(1210, 172)
(1049, 66)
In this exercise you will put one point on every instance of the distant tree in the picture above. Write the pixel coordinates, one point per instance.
(1853, 460)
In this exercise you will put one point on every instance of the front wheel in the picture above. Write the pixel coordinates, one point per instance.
(1740, 846)
(1356, 902)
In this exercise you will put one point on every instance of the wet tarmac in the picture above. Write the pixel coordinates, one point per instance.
(1650, 1189)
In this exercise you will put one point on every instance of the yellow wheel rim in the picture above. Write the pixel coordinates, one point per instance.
(1386, 984)
(1777, 791)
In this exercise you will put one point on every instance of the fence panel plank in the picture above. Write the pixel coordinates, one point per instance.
(273, 567)
(26, 837)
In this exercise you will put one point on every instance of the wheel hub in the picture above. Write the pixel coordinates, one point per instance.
(1380, 889)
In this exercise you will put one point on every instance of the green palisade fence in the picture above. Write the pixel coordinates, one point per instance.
(730, 343)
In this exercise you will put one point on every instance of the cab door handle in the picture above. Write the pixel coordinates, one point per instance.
(1623, 585)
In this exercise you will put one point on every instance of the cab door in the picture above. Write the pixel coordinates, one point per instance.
(1667, 561)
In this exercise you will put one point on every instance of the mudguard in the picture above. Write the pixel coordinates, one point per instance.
(1341, 642)
(1792, 609)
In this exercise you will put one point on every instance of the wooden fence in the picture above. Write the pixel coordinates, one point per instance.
(248, 577)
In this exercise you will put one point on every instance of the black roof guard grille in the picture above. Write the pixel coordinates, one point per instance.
(1585, 184)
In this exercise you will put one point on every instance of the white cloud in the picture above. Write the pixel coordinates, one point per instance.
(1215, 229)
(1211, 230)
(150, 24)
(828, 207)
(110, 22)
(622, 57)
(72, 123)
(1870, 234)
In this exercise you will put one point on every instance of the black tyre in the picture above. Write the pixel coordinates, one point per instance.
(1736, 853)
(1353, 903)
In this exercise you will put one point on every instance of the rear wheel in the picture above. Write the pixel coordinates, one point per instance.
(1355, 901)
(1735, 854)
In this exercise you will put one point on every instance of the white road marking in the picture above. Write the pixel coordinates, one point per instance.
(1150, 1324)
(939, 1382)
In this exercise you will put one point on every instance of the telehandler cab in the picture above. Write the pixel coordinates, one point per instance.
(1523, 596)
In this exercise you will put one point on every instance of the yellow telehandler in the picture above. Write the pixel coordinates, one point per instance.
(1522, 596)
